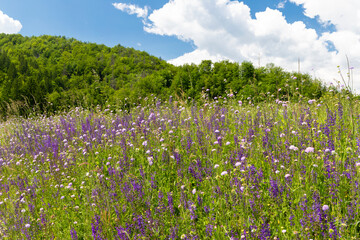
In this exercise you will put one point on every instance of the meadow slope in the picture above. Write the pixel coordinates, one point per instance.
(168, 170)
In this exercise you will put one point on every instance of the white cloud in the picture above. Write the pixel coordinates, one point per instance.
(281, 4)
(9, 25)
(132, 9)
(196, 57)
(224, 29)
(345, 15)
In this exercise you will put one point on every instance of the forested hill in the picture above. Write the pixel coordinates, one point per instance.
(38, 70)
(53, 73)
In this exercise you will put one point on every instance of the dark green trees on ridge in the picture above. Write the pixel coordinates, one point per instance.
(54, 73)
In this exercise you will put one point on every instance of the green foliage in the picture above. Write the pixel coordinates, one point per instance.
(52, 71)
(55, 73)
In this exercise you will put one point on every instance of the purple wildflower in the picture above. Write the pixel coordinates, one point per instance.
(73, 234)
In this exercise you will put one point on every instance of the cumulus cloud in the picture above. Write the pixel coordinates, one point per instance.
(196, 57)
(224, 29)
(345, 15)
(9, 25)
(132, 9)
(281, 4)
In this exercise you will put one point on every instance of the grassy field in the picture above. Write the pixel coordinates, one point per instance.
(223, 170)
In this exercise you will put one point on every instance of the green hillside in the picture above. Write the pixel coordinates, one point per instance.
(68, 72)
(49, 73)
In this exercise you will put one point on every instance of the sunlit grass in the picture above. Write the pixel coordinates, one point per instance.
(173, 171)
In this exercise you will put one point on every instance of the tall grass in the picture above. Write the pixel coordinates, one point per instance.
(222, 170)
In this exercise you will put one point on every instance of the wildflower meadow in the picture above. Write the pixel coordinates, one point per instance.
(173, 170)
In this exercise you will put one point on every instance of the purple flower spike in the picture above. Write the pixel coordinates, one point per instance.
(73, 234)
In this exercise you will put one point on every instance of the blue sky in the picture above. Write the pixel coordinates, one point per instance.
(319, 32)
(92, 21)
(98, 21)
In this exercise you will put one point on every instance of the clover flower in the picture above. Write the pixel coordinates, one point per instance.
(311, 101)
(292, 147)
(309, 149)
(224, 173)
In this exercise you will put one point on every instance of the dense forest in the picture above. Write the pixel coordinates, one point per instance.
(49, 73)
